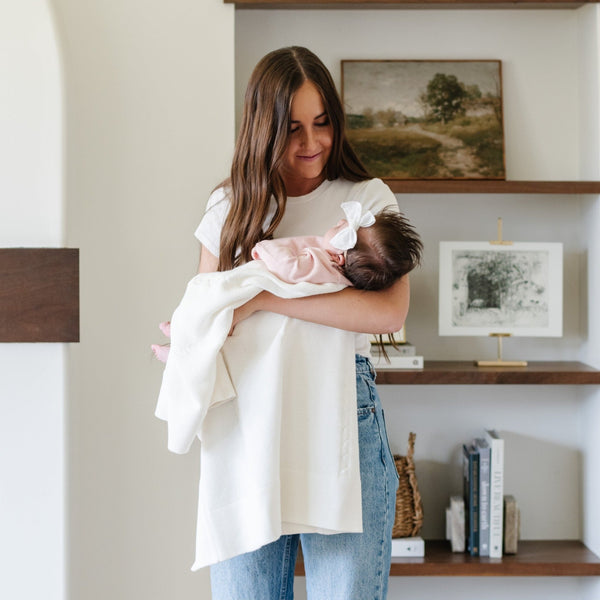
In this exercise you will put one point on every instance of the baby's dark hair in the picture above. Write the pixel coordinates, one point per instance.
(384, 252)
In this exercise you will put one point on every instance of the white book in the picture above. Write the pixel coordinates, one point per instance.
(408, 546)
(398, 350)
(496, 444)
(398, 362)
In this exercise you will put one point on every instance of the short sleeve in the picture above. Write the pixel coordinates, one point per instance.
(208, 232)
(375, 195)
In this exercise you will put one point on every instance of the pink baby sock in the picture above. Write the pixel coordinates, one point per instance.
(160, 351)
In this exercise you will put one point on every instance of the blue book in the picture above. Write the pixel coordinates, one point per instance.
(471, 494)
(484, 495)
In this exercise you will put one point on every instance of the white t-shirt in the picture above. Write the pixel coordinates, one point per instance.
(311, 214)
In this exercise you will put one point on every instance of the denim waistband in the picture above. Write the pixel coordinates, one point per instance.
(363, 365)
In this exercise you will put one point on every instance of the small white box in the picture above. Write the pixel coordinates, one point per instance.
(408, 546)
(398, 362)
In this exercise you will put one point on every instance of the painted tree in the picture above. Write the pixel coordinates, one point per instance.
(445, 97)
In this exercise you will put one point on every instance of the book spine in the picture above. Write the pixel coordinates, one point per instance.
(471, 492)
(484, 500)
(496, 444)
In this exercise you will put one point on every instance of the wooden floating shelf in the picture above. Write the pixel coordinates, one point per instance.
(39, 295)
(459, 186)
(354, 4)
(535, 558)
(467, 373)
(548, 558)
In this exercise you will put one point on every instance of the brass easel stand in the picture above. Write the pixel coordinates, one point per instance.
(499, 362)
(500, 241)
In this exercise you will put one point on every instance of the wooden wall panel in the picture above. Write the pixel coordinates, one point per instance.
(39, 295)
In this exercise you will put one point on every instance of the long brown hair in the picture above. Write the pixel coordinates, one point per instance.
(263, 138)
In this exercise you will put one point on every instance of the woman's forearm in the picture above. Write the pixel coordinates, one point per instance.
(350, 309)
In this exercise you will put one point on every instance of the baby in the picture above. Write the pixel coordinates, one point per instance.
(369, 252)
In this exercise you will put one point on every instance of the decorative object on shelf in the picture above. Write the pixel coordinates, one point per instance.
(399, 350)
(394, 360)
(500, 289)
(500, 362)
(394, 352)
(426, 119)
(39, 295)
(455, 523)
(409, 506)
(408, 547)
(512, 525)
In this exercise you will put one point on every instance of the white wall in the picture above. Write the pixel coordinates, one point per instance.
(537, 50)
(551, 133)
(149, 132)
(32, 388)
(590, 53)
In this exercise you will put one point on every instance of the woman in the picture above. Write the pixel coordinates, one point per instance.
(292, 168)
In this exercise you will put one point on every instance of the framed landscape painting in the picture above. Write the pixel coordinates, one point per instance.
(426, 119)
(509, 289)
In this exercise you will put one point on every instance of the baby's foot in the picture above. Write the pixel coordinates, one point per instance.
(165, 327)
(161, 352)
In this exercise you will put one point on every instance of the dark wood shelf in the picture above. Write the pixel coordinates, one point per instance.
(39, 295)
(462, 186)
(467, 373)
(354, 4)
(548, 558)
(535, 558)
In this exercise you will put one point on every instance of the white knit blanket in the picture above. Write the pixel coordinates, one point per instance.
(279, 445)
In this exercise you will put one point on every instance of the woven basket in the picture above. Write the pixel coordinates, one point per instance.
(409, 507)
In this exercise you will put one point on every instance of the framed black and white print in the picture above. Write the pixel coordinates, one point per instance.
(514, 289)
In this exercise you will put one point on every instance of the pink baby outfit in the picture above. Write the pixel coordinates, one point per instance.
(297, 259)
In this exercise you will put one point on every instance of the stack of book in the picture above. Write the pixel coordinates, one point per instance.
(483, 494)
(402, 355)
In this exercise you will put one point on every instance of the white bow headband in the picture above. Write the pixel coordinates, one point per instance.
(346, 238)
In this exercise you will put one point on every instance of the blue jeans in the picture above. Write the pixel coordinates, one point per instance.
(344, 566)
